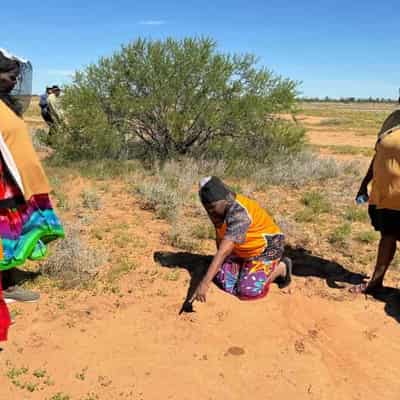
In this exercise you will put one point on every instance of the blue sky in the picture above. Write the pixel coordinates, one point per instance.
(336, 48)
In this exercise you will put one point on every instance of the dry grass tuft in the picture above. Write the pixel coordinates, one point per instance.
(72, 263)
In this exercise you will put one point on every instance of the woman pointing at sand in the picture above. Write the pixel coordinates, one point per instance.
(249, 245)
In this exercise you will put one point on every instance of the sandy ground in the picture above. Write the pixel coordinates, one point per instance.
(309, 341)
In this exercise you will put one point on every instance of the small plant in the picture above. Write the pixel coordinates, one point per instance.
(60, 396)
(72, 263)
(340, 235)
(17, 372)
(91, 396)
(90, 199)
(306, 215)
(180, 238)
(160, 197)
(367, 237)
(119, 269)
(172, 275)
(104, 381)
(204, 231)
(81, 375)
(356, 214)
(39, 373)
(316, 202)
(62, 201)
(31, 387)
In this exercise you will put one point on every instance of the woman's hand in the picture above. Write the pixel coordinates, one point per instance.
(201, 292)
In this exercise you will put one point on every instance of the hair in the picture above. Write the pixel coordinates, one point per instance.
(7, 65)
(212, 189)
(391, 121)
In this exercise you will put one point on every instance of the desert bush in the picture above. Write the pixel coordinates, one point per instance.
(180, 236)
(316, 202)
(293, 170)
(159, 196)
(174, 97)
(71, 261)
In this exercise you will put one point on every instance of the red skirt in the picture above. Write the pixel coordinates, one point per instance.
(5, 320)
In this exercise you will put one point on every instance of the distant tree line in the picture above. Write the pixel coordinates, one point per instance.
(328, 99)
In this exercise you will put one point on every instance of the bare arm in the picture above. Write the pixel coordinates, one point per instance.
(367, 179)
(224, 250)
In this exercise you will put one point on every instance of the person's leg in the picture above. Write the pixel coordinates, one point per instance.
(386, 252)
(7, 279)
(279, 272)
(12, 292)
(256, 277)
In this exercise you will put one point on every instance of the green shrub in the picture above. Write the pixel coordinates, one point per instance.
(162, 98)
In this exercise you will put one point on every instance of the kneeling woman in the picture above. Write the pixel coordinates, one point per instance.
(250, 245)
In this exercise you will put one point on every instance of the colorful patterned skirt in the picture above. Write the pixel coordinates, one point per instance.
(247, 280)
(26, 229)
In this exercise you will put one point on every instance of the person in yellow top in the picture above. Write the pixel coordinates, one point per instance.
(249, 245)
(384, 200)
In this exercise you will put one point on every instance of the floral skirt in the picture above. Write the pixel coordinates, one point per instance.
(246, 279)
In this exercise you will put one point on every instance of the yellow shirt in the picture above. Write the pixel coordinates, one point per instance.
(385, 192)
(261, 227)
(19, 155)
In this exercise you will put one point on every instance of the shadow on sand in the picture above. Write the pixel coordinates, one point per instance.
(304, 264)
(17, 276)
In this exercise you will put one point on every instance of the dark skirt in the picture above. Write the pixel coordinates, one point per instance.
(385, 220)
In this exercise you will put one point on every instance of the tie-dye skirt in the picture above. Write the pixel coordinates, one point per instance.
(26, 230)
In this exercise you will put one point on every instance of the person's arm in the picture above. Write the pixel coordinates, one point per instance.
(217, 239)
(224, 250)
(367, 179)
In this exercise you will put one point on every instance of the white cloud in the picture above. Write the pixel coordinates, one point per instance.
(153, 22)
(61, 72)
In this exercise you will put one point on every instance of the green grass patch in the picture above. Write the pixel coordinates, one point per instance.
(367, 237)
(356, 214)
(341, 235)
(306, 215)
(316, 202)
